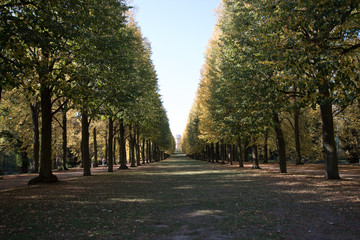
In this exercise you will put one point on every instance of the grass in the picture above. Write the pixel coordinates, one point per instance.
(184, 199)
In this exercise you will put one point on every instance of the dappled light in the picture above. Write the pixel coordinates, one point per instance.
(200, 213)
(131, 200)
(183, 187)
(188, 172)
(182, 197)
(270, 149)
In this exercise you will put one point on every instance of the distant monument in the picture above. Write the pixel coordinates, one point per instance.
(178, 141)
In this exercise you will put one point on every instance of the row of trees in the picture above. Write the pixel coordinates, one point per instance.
(274, 64)
(85, 57)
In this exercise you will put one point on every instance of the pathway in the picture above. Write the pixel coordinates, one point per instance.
(347, 172)
(180, 199)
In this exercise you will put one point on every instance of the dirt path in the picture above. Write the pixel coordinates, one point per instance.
(347, 172)
(21, 180)
(180, 199)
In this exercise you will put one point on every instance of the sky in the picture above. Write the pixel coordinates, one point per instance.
(179, 31)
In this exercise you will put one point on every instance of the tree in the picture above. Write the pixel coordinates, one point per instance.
(248, 90)
(42, 34)
(320, 41)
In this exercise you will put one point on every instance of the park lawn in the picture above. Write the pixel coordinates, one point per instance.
(184, 199)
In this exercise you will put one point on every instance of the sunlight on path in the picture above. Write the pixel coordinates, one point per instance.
(180, 198)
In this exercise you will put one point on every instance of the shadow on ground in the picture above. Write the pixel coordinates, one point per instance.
(184, 199)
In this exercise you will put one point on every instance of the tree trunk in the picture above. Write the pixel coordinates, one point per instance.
(131, 145)
(246, 150)
(158, 153)
(85, 152)
(154, 153)
(143, 150)
(280, 142)
(95, 149)
(212, 150)
(217, 152)
(64, 136)
(241, 157)
(45, 174)
(229, 154)
(223, 153)
(35, 109)
(234, 153)
(122, 146)
(266, 156)
(114, 150)
(255, 156)
(137, 145)
(207, 153)
(106, 146)
(328, 139)
(110, 145)
(297, 137)
(24, 160)
(149, 152)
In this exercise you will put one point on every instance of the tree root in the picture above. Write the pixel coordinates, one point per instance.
(45, 180)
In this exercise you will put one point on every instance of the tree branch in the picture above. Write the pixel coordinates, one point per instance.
(59, 108)
(295, 94)
(58, 121)
(347, 50)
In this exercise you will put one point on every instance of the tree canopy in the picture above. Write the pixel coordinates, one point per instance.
(89, 56)
(267, 63)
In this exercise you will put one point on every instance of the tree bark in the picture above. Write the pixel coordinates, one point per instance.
(45, 174)
(297, 137)
(64, 136)
(35, 110)
(24, 160)
(106, 146)
(122, 146)
(328, 139)
(149, 158)
(157, 153)
(280, 142)
(246, 150)
(266, 156)
(95, 149)
(234, 151)
(148, 151)
(217, 152)
(137, 145)
(229, 153)
(207, 153)
(143, 150)
(110, 145)
(241, 157)
(212, 150)
(114, 150)
(223, 153)
(131, 145)
(154, 152)
(255, 156)
(85, 152)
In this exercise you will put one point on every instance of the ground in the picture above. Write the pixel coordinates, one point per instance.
(182, 198)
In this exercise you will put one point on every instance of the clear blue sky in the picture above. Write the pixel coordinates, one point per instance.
(178, 31)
